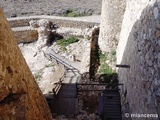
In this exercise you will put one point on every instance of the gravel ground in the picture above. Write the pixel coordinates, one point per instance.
(13, 8)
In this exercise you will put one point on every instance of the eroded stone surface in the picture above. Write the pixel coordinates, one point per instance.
(111, 21)
(20, 96)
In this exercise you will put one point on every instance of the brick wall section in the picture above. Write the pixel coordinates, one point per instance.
(20, 96)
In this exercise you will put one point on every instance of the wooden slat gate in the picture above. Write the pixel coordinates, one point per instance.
(66, 101)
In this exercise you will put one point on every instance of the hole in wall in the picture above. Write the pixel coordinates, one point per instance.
(9, 70)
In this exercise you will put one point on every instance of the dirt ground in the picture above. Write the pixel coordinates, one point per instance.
(13, 8)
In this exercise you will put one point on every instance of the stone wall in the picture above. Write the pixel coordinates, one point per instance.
(139, 47)
(20, 96)
(67, 27)
(26, 36)
(111, 21)
(59, 21)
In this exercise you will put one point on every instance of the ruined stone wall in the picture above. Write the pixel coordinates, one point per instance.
(25, 33)
(20, 96)
(111, 21)
(59, 21)
(26, 36)
(139, 47)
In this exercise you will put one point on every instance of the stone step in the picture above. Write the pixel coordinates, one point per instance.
(113, 110)
(67, 91)
(112, 103)
(109, 106)
(112, 117)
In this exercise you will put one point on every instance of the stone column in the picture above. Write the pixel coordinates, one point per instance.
(20, 96)
(110, 27)
(43, 33)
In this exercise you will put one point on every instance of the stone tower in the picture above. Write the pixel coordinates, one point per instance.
(20, 96)
(111, 21)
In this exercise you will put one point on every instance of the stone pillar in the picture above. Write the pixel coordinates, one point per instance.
(110, 27)
(43, 33)
(20, 96)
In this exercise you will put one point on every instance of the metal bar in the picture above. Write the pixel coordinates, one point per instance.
(98, 90)
(62, 62)
(98, 84)
(123, 66)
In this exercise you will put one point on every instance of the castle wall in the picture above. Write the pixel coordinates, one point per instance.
(20, 96)
(139, 47)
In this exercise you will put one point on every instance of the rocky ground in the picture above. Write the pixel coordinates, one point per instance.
(13, 8)
(45, 71)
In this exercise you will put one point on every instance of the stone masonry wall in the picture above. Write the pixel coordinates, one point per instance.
(26, 36)
(25, 33)
(110, 26)
(59, 21)
(139, 47)
(20, 96)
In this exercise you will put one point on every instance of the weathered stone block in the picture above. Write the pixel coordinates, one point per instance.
(26, 36)
(20, 96)
(156, 12)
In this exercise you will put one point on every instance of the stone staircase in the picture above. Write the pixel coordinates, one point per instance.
(66, 101)
(111, 105)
